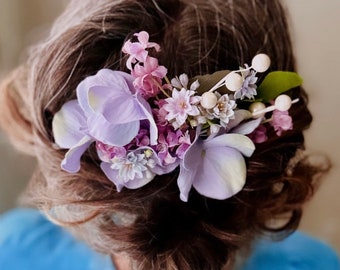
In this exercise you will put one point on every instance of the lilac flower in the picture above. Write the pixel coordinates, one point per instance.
(281, 121)
(180, 106)
(148, 77)
(248, 88)
(107, 109)
(141, 139)
(108, 152)
(137, 50)
(169, 140)
(184, 143)
(163, 149)
(215, 168)
(259, 135)
(160, 113)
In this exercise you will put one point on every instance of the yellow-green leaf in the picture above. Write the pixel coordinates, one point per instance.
(276, 83)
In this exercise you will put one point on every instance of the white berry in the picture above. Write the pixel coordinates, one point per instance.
(257, 107)
(208, 100)
(283, 103)
(260, 62)
(233, 81)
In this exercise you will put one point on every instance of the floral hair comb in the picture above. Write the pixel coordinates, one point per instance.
(145, 125)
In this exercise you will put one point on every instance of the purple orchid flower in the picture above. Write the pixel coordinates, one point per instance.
(215, 167)
(107, 109)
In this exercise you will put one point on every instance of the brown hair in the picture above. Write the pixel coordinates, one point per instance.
(151, 224)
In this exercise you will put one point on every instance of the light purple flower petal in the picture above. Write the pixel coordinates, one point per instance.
(239, 142)
(221, 174)
(71, 162)
(185, 181)
(144, 105)
(115, 135)
(239, 116)
(113, 108)
(116, 106)
(122, 108)
(68, 125)
(112, 175)
(159, 170)
(188, 168)
(215, 167)
(119, 82)
(247, 127)
(137, 182)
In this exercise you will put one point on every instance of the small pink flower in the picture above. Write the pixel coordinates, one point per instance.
(185, 142)
(108, 152)
(281, 121)
(164, 148)
(160, 114)
(259, 135)
(180, 106)
(148, 77)
(137, 50)
(142, 138)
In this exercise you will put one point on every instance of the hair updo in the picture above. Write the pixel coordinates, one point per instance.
(151, 224)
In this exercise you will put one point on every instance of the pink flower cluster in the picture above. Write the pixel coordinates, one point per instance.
(145, 69)
(281, 121)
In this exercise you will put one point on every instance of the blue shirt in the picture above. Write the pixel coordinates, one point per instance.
(29, 241)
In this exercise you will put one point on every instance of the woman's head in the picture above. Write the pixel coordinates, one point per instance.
(152, 224)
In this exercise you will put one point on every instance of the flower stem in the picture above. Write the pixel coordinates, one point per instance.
(160, 88)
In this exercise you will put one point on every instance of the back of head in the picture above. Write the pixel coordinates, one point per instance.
(151, 224)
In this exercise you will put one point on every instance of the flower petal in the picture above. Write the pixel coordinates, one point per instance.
(112, 174)
(239, 116)
(139, 181)
(122, 109)
(71, 162)
(144, 105)
(239, 142)
(247, 127)
(159, 170)
(184, 181)
(68, 125)
(188, 168)
(221, 174)
(111, 134)
(119, 82)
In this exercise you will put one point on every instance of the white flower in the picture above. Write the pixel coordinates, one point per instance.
(182, 82)
(180, 106)
(132, 166)
(224, 109)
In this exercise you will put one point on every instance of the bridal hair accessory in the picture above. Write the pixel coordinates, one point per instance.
(143, 124)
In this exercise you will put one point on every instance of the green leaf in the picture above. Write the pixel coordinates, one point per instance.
(276, 83)
(208, 81)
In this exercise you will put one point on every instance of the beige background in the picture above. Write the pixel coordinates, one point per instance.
(315, 30)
